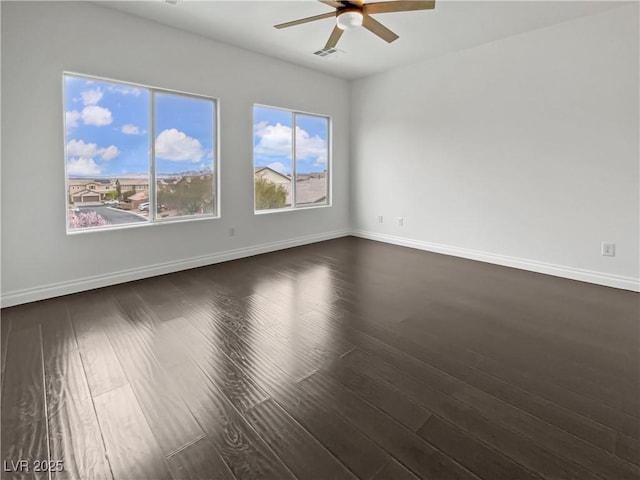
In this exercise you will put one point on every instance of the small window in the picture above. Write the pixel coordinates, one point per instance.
(291, 159)
(136, 155)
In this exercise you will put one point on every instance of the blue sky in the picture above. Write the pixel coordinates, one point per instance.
(273, 140)
(108, 130)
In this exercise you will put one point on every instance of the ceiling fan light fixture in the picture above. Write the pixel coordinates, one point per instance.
(349, 19)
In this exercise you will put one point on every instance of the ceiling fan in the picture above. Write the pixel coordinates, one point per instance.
(351, 14)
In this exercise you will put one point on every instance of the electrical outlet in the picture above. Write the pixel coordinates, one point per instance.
(608, 249)
(380, 219)
(400, 221)
(232, 232)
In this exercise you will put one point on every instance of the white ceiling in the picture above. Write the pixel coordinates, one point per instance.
(452, 25)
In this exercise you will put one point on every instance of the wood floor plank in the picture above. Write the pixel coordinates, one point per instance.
(394, 471)
(91, 316)
(241, 448)
(58, 335)
(477, 457)
(199, 461)
(258, 340)
(563, 443)
(628, 448)
(235, 385)
(570, 446)
(567, 369)
(74, 434)
(23, 399)
(155, 394)
(131, 447)
(516, 446)
(102, 367)
(580, 426)
(387, 399)
(5, 330)
(344, 440)
(354, 450)
(27, 316)
(280, 330)
(460, 374)
(297, 448)
(419, 456)
(603, 414)
(157, 292)
(296, 329)
(23, 412)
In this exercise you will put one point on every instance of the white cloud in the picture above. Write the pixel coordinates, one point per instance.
(95, 115)
(82, 166)
(110, 152)
(125, 90)
(278, 167)
(71, 118)
(77, 148)
(130, 129)
(175, 145)
(275, 140)
(310, 148)
(91, 97)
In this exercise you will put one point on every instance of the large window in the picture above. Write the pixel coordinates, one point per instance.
(290, 159)
(136, 154)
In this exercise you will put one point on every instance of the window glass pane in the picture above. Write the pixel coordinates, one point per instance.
(184, 154)
(312, 152)
(107, 152)
(272, 145)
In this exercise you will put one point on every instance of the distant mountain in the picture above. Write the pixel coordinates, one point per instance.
(186, 173)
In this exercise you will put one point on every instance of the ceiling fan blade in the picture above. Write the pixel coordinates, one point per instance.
(332, 3)
(334, 37)
(399, 6)
(380, 30)
(306, 20)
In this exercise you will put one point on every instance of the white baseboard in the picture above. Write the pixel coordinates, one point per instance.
(18, 297)
(589, 276)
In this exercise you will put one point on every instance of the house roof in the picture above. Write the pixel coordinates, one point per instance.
(261, 169)
(139, 196)
(311, 189)
(82, 182)
(133, 181)
(85, 192)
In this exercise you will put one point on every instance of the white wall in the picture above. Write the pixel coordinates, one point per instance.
(39, 42)
(522, 152)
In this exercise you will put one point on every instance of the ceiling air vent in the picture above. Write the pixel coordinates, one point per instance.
(325, 52)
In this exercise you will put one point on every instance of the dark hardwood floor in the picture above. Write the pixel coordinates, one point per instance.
(340, 360)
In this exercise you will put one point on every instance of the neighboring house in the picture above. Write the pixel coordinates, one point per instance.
(133, 184)
(190, 178)
(136, 199)
(89, 190)
(272, 176)
(310, 187)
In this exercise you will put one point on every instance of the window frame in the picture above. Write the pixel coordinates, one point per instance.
(153, 219)
(294, 207)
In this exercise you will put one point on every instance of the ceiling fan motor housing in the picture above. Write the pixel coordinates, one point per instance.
(349, 18)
